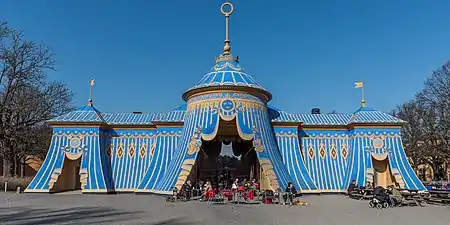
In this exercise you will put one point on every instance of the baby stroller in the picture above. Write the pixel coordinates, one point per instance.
(380, 199)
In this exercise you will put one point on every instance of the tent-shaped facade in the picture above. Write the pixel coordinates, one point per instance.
(152, 153)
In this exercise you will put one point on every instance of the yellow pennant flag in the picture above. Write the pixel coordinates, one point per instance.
(359, 84)
(92, 82)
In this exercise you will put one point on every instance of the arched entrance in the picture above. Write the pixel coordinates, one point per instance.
(226, 157)
(69, 179)
(382, 172)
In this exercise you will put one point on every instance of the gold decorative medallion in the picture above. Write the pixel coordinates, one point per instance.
(194, 146)
(109, 150)
(344, 151)
(120, 151)
(152, 151)
(311, 152)
(143, 150)
(258, 145)
(195, 143)
(333, 151)
(131, 149)
(227, 105)
(322, 151)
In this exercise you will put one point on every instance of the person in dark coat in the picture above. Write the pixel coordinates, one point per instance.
(290, 193)
(187, 189)
(352, 187)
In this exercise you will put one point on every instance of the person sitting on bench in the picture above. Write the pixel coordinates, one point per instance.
(396, 197)
(352, 188)
(289, 194)
(369, 185)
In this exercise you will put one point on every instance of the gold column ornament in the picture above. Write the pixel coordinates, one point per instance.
(91, 84)
(361, 85)
(227, 47)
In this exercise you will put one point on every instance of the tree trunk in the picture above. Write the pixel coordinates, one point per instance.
(12, 168)
(7, 168)
(22, 168)
(15, 166)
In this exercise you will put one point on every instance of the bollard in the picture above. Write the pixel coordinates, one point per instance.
(6, 186)
(18, 190)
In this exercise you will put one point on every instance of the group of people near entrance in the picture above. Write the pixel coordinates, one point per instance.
(391, 193)
(206, 191)
(238, 189)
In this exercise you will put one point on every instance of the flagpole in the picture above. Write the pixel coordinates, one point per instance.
(90, 93)
(363, 102)
(360, 84)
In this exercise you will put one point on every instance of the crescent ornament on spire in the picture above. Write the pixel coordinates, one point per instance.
(226, 9)
(227, 47)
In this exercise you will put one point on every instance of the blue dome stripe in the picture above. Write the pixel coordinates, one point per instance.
(227, 73)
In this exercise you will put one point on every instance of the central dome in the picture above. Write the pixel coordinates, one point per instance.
(227, 74)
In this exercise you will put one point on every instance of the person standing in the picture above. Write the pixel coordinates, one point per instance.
(234, 188)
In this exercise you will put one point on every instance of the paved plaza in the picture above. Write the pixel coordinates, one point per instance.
(150, 209)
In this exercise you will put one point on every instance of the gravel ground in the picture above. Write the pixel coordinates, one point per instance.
(150, 209)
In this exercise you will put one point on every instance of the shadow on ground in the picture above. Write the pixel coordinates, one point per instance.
(76, 215)
(177, 221)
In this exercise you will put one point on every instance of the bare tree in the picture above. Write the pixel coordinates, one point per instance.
(436, 94)
(412, 132)
(427, 135)
(27, 98)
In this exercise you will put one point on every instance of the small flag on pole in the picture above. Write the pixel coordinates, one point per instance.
(359, 84)
(92, 82)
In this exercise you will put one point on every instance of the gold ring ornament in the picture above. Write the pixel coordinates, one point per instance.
(222, 9)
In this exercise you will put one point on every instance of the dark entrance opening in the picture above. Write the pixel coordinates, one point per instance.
(226, 158)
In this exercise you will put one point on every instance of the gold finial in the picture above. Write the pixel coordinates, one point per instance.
(360, 84)
(227, 47)
(91, 84)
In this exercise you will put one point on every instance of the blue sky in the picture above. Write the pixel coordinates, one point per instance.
(144, 53)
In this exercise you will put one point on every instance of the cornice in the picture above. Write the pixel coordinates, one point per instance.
(264, 95)
(168, 124)
(286, 124)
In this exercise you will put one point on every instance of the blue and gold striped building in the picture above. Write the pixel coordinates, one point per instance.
(136, 152)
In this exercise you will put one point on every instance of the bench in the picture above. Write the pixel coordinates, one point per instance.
(356, 196)
(437, 201)
(411, 202)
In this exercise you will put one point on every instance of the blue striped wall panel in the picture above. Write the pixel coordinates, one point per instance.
(130, 152)
(382, 143)
(73, 143)
(183, 158)
(167, 139)
(53, 160)
(288, 143)
(326, 157)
